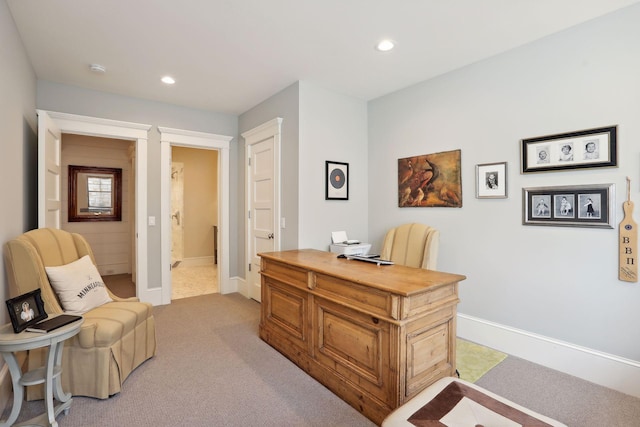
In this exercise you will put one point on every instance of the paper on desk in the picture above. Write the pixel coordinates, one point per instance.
(338, 236)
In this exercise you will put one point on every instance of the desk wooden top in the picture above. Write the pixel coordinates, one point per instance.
(396, 279)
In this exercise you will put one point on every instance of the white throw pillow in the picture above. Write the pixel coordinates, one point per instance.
(78, 285)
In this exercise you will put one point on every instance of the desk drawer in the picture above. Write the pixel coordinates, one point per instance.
(366, 298)
(288, 274)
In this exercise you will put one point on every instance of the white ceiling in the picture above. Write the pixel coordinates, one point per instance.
(229, 55)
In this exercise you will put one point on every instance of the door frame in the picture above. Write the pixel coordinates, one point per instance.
(106, 128)
(270, 129)
(191, 139)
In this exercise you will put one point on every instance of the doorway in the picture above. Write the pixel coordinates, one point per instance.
(51, 125)
(194, 219)
(184, 138)
(111, 239)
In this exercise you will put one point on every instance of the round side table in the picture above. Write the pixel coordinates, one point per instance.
(49, 375)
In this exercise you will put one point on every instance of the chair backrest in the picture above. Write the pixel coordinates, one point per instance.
(28, 254)
(413, 245)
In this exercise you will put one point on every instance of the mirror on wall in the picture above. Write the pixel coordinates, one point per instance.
(95, 194)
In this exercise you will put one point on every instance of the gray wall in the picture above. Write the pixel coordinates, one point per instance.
(18, 125)
(318, 125)
(332, 127)
(73, 100)
(554, 281)
(284, 104)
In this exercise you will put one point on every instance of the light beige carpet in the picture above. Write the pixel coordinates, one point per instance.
(474, 360)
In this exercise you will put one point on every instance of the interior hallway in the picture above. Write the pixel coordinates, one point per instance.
(186, 282)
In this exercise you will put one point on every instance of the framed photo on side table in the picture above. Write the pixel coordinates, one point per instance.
(491, 181)
(592, 148)
(336, 181)
(569, 206)
(26, 310)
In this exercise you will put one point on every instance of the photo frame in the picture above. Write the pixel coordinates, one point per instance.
(569, 206)
(491, 181)
(591, 148)
(336, 181)
(26, 310)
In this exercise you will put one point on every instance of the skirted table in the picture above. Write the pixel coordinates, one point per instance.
(49, 375)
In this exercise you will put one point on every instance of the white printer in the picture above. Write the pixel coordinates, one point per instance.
(343, 245)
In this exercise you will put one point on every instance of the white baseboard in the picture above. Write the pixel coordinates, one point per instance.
(112, 269)
(240, 286)
(605, 369)
(196, 261)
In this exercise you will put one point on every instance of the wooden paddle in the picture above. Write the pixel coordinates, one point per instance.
(628, 243)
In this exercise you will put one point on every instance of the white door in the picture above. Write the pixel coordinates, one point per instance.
(263, 198)
(261, 218)
(49, 172)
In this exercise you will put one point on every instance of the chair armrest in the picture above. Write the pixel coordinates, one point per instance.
(87, 335)
(128, 299)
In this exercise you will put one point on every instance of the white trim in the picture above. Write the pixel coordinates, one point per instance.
(265, 130)
(240, 285)
(595, 366)
(95, 126)
(105, 128)
(197, 261)
(209, 141)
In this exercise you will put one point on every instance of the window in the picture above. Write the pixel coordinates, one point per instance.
(95, 194)
(99, 193)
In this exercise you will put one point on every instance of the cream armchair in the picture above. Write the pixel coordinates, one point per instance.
(114, 339)
(413, 245)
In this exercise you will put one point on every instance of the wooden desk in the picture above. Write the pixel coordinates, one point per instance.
(374, 335)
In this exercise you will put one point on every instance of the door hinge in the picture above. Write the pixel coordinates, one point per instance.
(249, 266)
(249, 161)
(249, 214)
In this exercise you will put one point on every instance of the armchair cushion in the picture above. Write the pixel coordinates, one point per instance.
(78, 285)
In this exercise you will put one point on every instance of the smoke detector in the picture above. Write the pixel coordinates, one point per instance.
(97, 68)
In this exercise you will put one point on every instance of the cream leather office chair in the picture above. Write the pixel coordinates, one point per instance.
(413, 245)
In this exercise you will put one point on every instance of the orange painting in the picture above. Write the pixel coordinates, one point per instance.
(430, 180)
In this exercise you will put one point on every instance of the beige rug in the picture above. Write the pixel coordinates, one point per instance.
(474, 360)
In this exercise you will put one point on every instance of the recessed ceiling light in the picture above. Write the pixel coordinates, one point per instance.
(97, 68)
(168, 80)
(385, 45)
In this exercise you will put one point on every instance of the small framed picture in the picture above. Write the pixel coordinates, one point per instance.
(26, 310)
(591, 148)
(569, 206)
(337, 181)
(491, 181)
